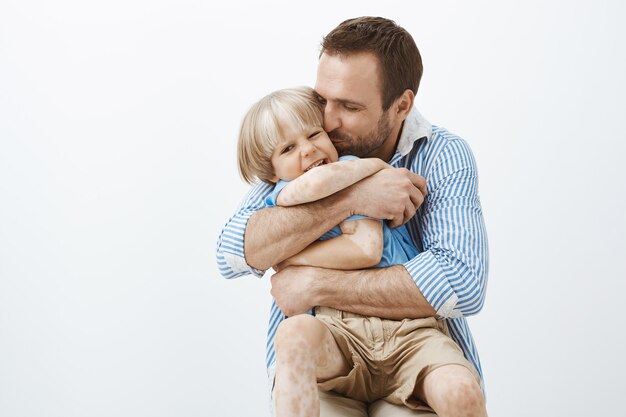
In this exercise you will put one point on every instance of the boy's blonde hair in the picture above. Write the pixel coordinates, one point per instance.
(260, 130)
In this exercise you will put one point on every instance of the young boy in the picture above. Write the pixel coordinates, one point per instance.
(282, 142)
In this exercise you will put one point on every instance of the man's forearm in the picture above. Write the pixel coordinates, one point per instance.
(380, 292)
(274, 234)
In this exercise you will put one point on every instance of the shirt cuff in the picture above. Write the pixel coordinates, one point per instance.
(230, 251)
(432, 281)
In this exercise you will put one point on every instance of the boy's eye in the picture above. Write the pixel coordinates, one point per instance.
(286, 149)
(314, 134)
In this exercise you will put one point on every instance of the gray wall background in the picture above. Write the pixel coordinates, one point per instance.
(118, 123)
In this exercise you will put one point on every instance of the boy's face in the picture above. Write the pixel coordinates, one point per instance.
(301, 150)
(350, 89)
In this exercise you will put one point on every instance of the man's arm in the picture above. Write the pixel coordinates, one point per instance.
(277, 233)
(447, 278)
(451, 272)
(380, 292)
(230, 258)
(274, 234)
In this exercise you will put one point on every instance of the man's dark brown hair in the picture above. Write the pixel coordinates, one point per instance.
(400, 60)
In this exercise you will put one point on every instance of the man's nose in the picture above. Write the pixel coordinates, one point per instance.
(331, 118)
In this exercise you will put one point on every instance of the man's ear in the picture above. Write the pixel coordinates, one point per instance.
(404, 103)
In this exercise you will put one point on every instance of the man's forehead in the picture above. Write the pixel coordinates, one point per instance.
(348, 79)
(360, 64)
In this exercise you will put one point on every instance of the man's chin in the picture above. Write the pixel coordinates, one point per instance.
(343, 151)
(341, 146)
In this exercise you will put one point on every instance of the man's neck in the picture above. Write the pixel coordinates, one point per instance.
(388, 149)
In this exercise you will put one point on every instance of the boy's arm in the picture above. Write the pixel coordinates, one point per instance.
(359, 246)
(271, 235)
(327, 179)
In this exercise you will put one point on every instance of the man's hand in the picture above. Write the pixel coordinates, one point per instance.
(282, 265)
(393, 194)
(292, 288)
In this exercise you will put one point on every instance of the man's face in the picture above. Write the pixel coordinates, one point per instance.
(350, 88)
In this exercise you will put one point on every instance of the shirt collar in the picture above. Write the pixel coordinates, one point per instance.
(415, 127)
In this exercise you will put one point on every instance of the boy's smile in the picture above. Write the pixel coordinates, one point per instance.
(318, 163)
(299, 151)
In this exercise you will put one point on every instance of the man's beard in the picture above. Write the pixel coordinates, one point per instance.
(362, 146)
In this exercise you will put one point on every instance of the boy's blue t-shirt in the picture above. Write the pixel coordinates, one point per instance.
(397, 245)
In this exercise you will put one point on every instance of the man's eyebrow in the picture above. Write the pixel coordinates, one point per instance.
(346, 101)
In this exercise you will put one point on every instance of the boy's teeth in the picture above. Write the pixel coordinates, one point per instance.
(315, 165)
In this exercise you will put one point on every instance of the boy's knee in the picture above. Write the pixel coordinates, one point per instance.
(466, 393)
(456, 391)
(301, 331)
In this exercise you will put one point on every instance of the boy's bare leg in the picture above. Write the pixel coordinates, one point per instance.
(452, 390)
(306, 353)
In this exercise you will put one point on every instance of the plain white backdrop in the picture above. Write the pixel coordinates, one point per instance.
(118, 124)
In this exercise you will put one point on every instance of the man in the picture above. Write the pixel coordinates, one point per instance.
(368, 74)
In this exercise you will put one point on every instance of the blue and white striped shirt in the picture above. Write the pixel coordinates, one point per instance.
(448, 231)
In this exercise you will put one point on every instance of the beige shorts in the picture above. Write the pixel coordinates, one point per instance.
(388, 357)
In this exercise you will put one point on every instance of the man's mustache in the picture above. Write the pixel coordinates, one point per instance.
(336, 136)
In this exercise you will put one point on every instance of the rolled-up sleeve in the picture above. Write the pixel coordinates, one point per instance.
(451, 271)
(230, 253)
